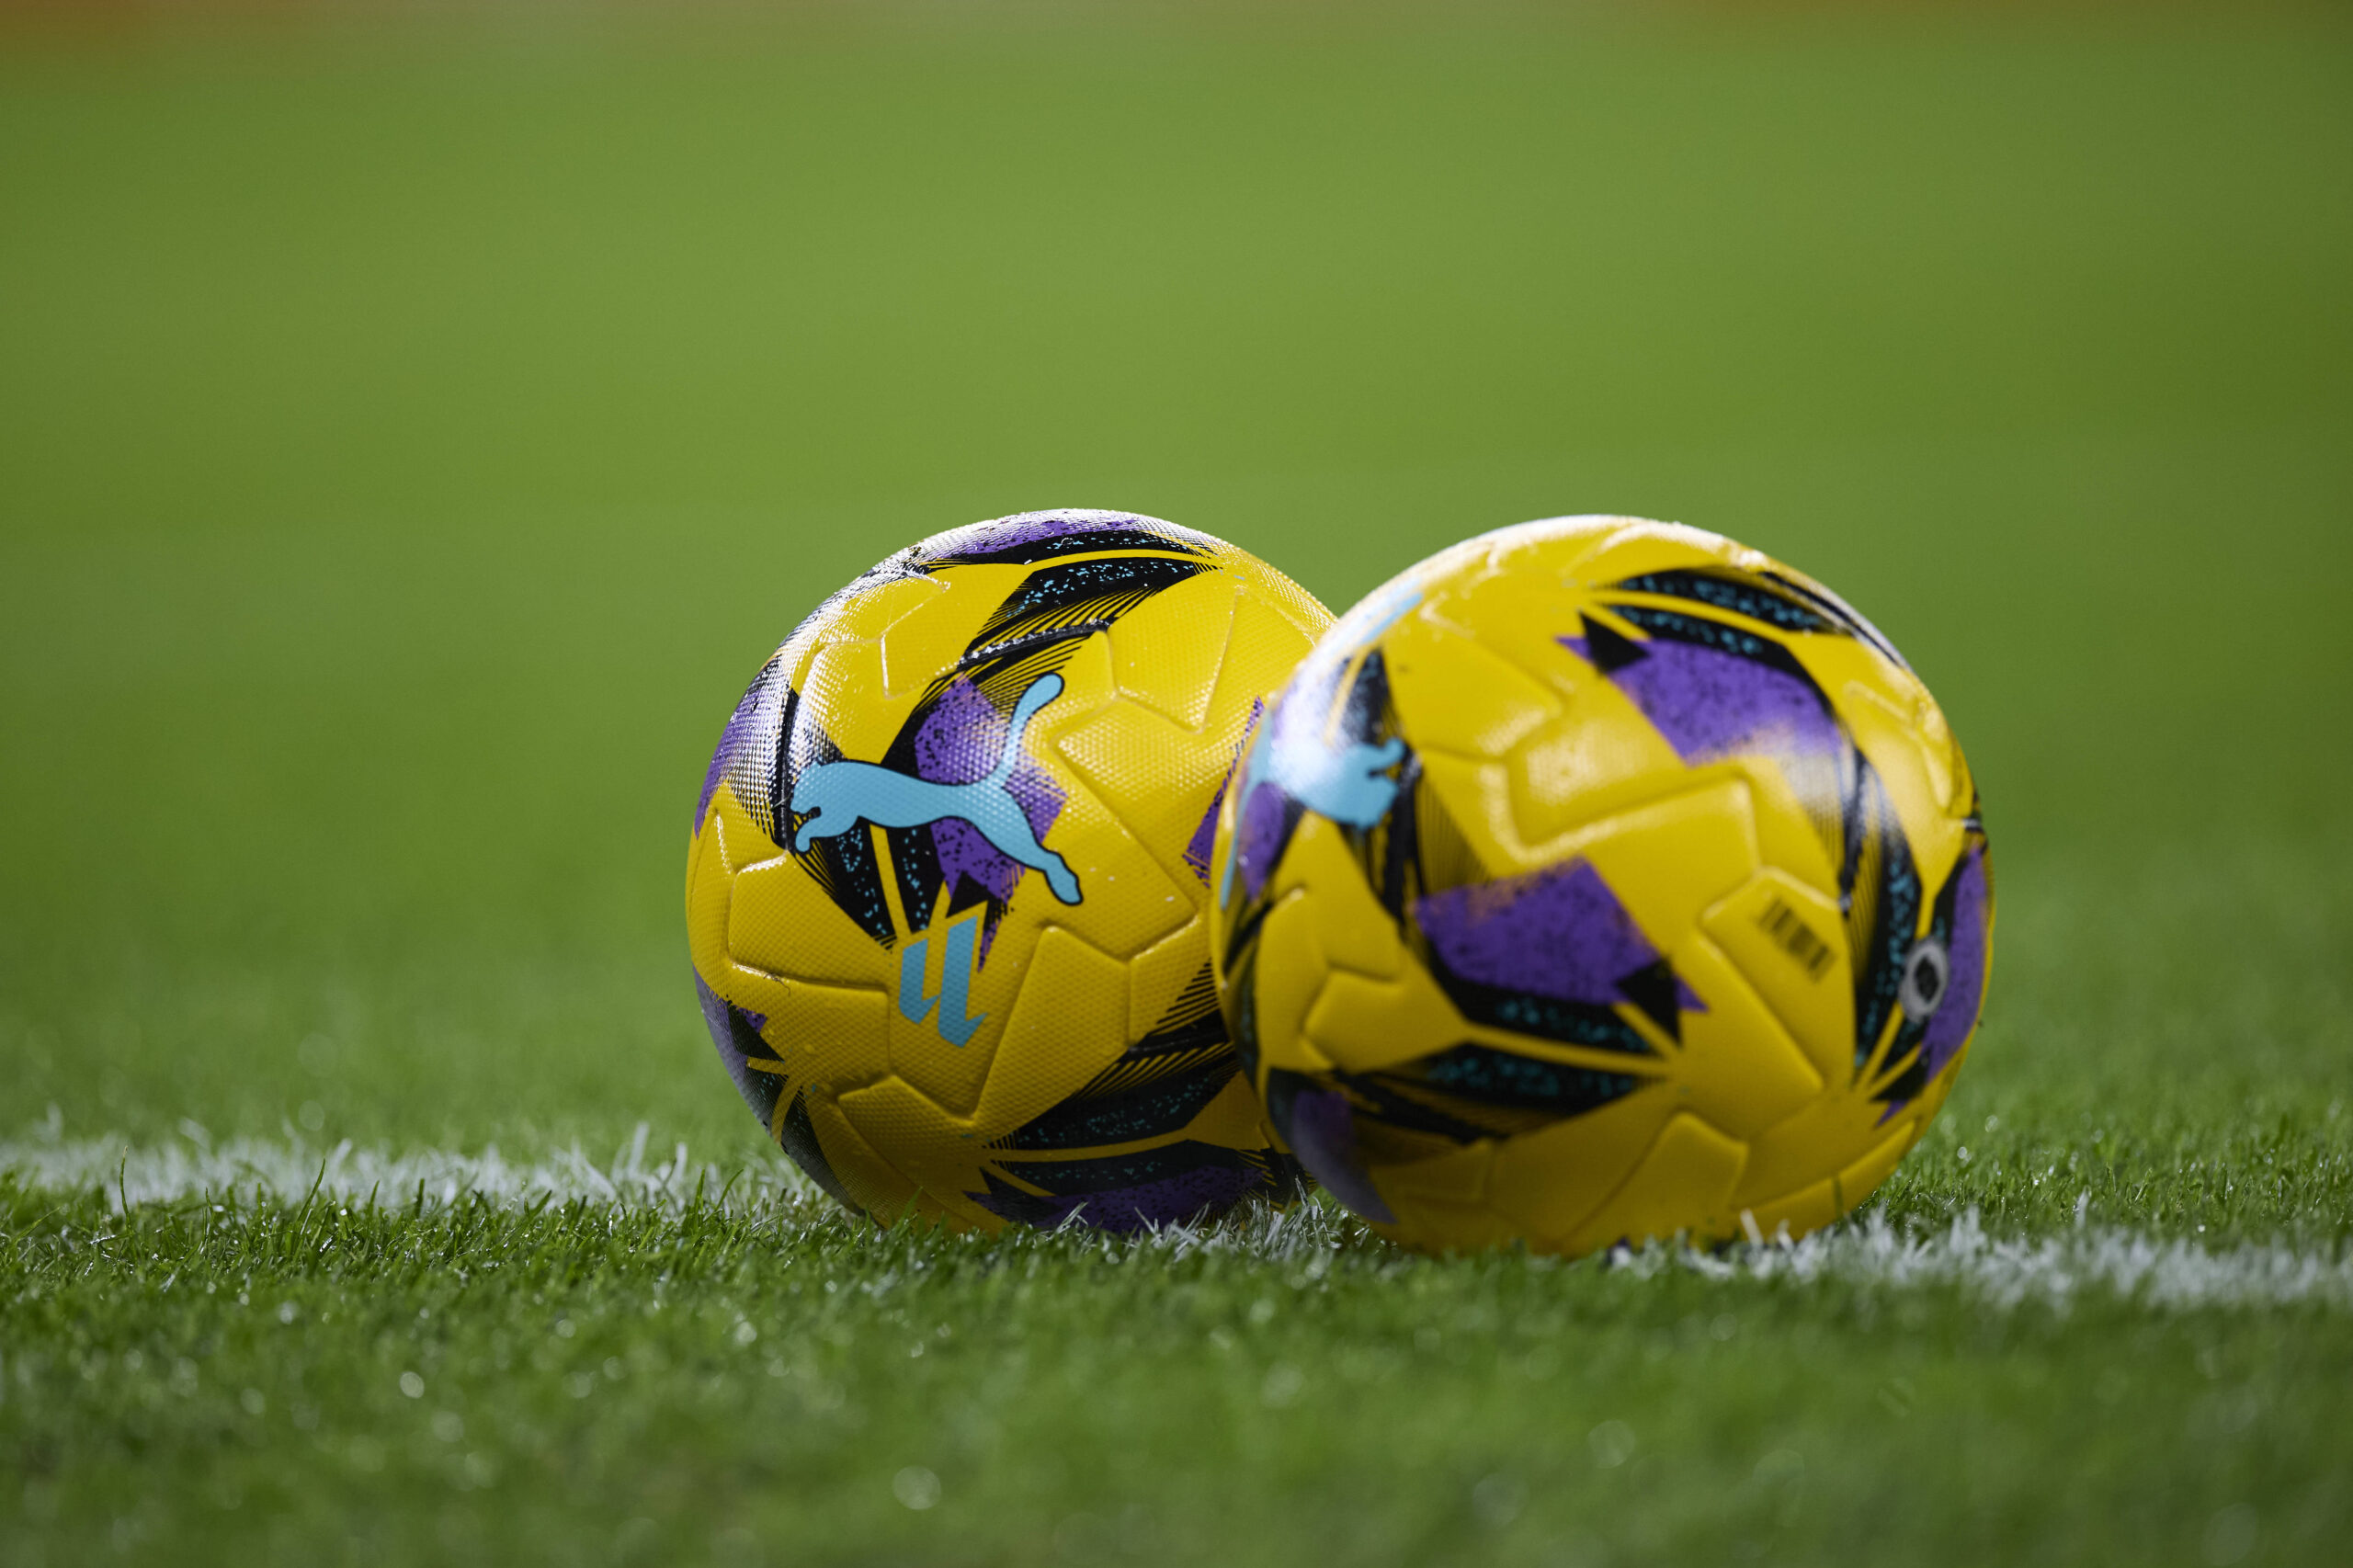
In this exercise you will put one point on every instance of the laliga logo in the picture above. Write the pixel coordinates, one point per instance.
(835, 797)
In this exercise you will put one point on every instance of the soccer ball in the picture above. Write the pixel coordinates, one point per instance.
(1596, 880)
(946, 895)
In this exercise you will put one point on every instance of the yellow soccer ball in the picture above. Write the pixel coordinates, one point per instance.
(948, 891)
(1601, 880)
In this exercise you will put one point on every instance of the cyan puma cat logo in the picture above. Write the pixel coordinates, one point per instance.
(1350, 785)
(835, 797)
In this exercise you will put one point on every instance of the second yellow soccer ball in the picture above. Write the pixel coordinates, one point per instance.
(1601, 880)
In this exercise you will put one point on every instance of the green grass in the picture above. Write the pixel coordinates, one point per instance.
(580, 1385)
(411, 438)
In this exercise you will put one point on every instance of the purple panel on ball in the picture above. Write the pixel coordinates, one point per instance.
(1021, 528)
(1324, 1136)
(1956, 1012)
(759, 1089)
(1203, 844)
(1258, 837)
(963, 852)
(960, 740)
(1710, 704)
(714, 1019)
(1559, 932)
(1029, 527)
(1204, 840)
(731, 741)
(1039, 798)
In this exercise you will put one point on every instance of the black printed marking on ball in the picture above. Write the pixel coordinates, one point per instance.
(1087, 542)
(1737, 593)
(1508, 1079)
(1128, 1116)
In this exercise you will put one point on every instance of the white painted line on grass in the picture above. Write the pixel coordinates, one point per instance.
(2053, 1269)
(194, 1165)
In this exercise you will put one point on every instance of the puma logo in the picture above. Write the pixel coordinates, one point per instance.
(1345, 783)
(834, 797)
(1350, 785)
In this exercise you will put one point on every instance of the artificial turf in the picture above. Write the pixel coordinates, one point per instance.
(411, 436)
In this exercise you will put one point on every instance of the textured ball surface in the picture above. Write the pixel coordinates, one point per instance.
(946, 894)
(1598, 880)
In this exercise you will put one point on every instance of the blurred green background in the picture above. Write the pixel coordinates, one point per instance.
(413, 436)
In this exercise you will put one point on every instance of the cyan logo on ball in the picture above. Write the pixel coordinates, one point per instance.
(956, 1021)
(834, 797)
(1348, 782)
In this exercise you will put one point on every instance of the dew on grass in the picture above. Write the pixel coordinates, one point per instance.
(915, 1488)
(1612, 1443)
(1497, 1499)
(2231, 1535)
(1281, 1387)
